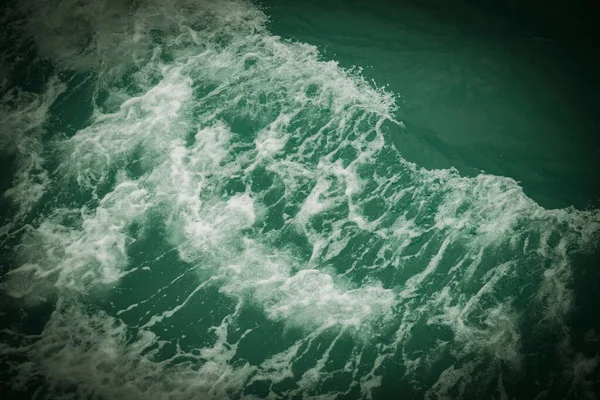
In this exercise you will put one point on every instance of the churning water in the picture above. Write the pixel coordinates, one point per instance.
(196, 208)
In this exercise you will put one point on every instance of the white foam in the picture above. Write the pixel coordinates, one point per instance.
(203, 80)
(23, 116)
(149, 120)
(78, 258)
(307, 299)
(91, 352)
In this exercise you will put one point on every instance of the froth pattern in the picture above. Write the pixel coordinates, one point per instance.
(266, 181)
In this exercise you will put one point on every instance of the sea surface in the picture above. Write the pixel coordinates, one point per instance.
(295, 200)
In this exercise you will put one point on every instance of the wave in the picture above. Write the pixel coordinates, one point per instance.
(255, 186)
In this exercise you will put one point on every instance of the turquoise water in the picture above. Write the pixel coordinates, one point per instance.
(210, 200)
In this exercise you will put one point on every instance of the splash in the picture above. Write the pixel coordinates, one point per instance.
(231, 219)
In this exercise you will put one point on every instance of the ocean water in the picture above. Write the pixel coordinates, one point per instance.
(289, 200)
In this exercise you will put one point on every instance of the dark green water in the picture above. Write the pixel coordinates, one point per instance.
(211, 200)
